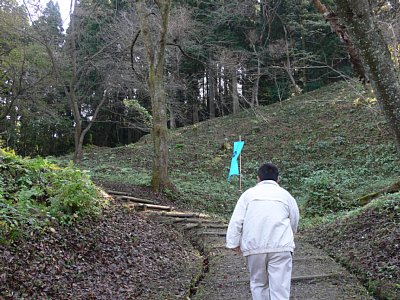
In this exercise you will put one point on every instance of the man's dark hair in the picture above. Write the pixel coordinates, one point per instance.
(268, 171)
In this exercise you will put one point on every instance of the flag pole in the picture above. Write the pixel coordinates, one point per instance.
(240, 167)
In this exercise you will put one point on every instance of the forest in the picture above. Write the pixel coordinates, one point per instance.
(147, 97)
(87, 83)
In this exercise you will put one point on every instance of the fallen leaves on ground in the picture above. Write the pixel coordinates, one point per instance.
(119, 255)
(369, 245)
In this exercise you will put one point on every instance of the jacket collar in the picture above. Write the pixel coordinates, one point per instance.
(268, 182)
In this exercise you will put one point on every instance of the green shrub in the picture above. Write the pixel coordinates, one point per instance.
(35, 192)
(72, 193)
(323, 195)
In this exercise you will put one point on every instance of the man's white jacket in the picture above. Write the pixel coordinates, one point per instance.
(264, 220)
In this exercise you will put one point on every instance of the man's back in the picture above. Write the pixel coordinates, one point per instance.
(266, 224)
(262, 226)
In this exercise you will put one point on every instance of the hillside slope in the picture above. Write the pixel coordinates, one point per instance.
(336, 132)
(332, 147)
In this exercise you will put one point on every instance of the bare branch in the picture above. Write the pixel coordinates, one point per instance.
(185, 54)
(132, 46)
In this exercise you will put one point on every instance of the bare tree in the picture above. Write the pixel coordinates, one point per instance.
(154, 39)
(77, 70)
(231, 62)
(181, 32)
(254, 39)
(70, 69)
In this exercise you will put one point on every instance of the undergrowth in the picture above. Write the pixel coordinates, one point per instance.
(35, 192)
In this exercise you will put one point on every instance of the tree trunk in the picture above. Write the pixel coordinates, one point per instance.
(78, 153)
(212, 89)
(254, 96)
(193, 101)
(172, 121)
(289, 69)
(195, 112)
(376, 55)
(235, 94)
(341, 32)
(70, 89)
(156, 57)
(159, 179)
(79, 135)
(221, 90)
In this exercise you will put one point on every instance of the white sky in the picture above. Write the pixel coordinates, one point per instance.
(64, 9)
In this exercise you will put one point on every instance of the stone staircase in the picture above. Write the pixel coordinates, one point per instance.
(315, 276)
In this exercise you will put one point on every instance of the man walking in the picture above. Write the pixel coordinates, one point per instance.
(262, 227)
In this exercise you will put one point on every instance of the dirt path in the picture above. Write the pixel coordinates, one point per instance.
(315, 275)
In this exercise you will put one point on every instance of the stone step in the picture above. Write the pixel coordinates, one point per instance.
(331, 288)
(315, 275)
(313, 267)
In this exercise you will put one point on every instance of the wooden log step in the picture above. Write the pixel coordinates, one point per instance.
(125, 196)
(117, 193)
(144, 206)
(176, 214)
(201, 224)
(222, 226)
(147, 207)
(191, 220)
(136, 200)
(191, 226)
(214, 233)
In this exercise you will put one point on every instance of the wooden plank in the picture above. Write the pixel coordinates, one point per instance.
(202, 225)
(191, 220)
(176, 214)
(126, 196)
(214, 233)
(222, 226)
(137, 200)
(117, 193)
(191, 226)
(145, 206)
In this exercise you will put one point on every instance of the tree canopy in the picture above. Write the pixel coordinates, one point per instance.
(62, 88)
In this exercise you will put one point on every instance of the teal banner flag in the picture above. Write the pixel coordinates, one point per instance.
(237, 148)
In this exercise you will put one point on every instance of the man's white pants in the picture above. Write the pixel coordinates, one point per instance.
(270, 275)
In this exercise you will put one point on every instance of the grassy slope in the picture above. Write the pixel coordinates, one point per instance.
(321, 130)
(336, 130)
